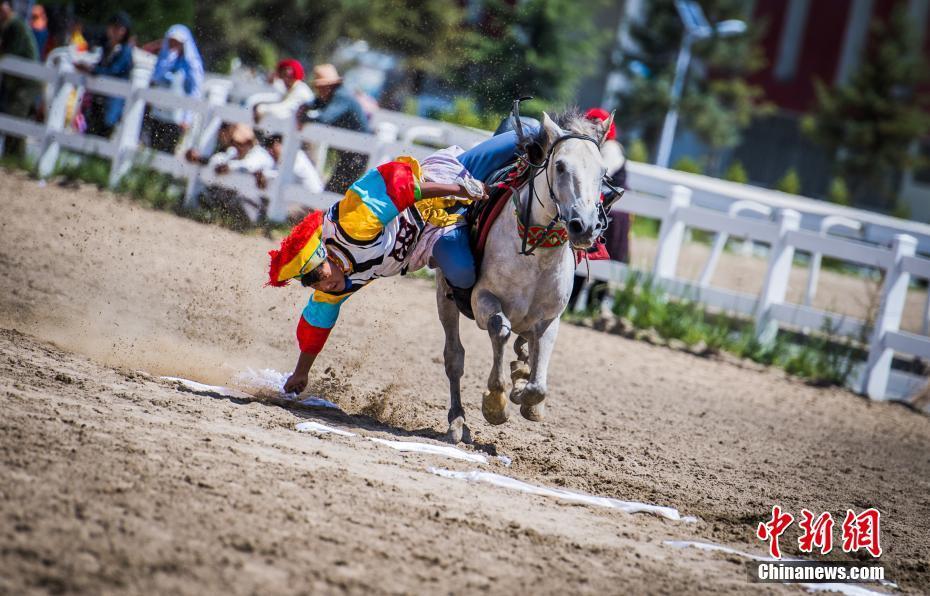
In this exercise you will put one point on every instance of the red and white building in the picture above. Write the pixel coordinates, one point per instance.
(803, 41)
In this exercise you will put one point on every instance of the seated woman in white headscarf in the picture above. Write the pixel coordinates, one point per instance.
(179, 68)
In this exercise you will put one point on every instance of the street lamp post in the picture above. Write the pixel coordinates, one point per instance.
(696, 28)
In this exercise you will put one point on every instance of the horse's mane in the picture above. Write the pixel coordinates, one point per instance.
(571, 120)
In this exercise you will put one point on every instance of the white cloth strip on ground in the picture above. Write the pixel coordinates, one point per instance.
(559, 493)
(310, 426)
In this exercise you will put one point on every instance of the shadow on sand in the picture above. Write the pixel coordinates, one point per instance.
(354, 422)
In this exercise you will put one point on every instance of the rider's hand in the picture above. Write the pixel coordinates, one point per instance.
(473, 189)
(295, 383)
(222, 168)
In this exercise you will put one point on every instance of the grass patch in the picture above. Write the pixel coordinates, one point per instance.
(640, 306)
(91, 169)
(644, 227)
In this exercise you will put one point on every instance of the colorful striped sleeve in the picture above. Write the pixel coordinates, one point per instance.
(317, 320)
(375, 199)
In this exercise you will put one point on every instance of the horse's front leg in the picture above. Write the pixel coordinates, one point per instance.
(531, 396)
(489, 314)
(454, 356)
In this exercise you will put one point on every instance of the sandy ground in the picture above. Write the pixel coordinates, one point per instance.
(114, 481)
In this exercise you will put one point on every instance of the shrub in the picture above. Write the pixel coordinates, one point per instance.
(637, 151)
(820, 358)
(736, 173)
(838, 192)
(790, 182)
(688, 164)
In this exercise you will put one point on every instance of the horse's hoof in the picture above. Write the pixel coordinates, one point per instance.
(516, 394)
(519, 370)
(530, 395)
(459, 431)
(533, 413)
(494, 407)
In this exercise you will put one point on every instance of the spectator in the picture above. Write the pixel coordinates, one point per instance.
(76, 37)
(249, 156)
(305, 174)
(179, 69)
(336, 106)
(617, 236)
(38, 22)
(243, 155)
(17, 96)
(102, 113)
(297, 93)
(224, 150)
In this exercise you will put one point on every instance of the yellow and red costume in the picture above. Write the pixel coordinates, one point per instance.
(370, 233)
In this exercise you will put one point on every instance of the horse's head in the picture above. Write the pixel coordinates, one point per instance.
(574, 172)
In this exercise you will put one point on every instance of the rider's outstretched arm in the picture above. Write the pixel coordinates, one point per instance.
(435, 190)
(297, 382)
(316, 321)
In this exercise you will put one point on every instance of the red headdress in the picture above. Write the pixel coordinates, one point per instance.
(602, 115)
(296, 68)
(301, 251)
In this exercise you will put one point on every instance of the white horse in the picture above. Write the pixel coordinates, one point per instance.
(527, 293)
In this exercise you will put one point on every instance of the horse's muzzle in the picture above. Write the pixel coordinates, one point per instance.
(581, 234)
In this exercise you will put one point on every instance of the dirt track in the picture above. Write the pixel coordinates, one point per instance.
(111, 480)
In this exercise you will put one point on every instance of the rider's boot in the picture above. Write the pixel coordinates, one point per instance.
(462, 298)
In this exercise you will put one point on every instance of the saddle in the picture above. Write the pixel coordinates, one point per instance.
(481, 215)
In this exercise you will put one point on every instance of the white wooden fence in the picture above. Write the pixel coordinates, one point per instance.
(769, 308)
(124, 149)
(678, 200)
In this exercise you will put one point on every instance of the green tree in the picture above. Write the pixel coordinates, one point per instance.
(718, 102)
(428, 34)
(150, 19)
(534, 47)
(871, 122)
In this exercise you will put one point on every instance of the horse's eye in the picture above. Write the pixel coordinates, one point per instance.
(560, 167)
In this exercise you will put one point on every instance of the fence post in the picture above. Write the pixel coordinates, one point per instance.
(54, 123)
(671, 233)
(277, 206)
(894, 295)
(216, 97)
(776, 276)
(127, 140)
(826, 224)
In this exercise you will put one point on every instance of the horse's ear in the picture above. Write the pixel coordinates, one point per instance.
(551, 130)
(605, 127)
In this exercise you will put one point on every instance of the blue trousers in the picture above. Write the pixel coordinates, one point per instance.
(452, 253)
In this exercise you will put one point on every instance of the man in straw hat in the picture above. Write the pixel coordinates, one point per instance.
(336, 106)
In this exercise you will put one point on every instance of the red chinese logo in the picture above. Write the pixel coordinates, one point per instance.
(862, 531)
(859, 531)
(774, 528)
(817, 532)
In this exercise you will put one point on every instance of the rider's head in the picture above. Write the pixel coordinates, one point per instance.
(327, 277)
